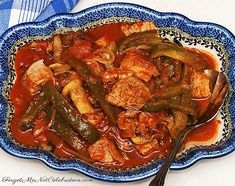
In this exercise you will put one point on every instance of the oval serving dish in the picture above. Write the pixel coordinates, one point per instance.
(207, 36)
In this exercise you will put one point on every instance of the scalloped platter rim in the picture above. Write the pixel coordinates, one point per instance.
(207, 36)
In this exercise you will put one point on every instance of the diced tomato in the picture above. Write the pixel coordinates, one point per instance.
(80, 49)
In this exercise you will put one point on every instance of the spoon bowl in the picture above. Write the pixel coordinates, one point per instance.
(219, 89)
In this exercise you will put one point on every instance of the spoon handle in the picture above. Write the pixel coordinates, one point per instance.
(159, 179)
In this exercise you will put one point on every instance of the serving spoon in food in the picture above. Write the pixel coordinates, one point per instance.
(219, 90)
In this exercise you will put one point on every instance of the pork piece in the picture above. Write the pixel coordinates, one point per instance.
(142, 68)
(105, 151)
(130, 93)
(98, 119)
(113, 74)
(200, 85)
(128, 29)
(37, 75)
(128, 124)
(149, 121)
(99, 151)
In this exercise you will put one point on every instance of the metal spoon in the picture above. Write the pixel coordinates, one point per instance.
(219, 91)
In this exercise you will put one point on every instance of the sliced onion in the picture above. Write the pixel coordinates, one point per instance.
(59, 68)
(57, 49)
(104, 56)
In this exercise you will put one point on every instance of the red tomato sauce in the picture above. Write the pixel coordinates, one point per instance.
(208, 131)
(204, 133)
(20, 98)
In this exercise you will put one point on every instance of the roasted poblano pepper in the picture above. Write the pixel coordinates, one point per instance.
(36, 105)
(182, 103)
(71, 115)
(172, 91)
(66, 132)
(191, 58)
(149, 41)
(149, 38)
(95, 87)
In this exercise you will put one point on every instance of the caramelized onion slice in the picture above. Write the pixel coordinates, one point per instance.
(104, 55)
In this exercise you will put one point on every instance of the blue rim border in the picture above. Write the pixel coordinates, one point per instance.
(163, 19)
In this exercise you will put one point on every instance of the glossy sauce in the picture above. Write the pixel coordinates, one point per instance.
(208, 131)
(20, 98)
(204, 133)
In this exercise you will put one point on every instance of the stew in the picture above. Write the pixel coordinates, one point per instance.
(117, 95)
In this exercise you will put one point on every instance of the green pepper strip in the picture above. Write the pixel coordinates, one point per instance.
(174, 103)
(149, 41)
(71, 115)
(95, 87)
(167, 73)
(36, 105)
(196, 60)
(178, 71)
(172, 91)
(65, 131)
(135, 36)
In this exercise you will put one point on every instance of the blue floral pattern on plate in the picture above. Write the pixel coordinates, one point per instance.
(181, 28)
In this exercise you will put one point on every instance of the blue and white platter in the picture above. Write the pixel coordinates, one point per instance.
(210, 37)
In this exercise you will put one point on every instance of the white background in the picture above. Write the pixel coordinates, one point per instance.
(213, 172)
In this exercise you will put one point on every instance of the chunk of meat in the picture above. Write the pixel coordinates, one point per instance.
(128, 29)
(99, 151)
(149, 121)
(80, 49)
(97, 119)
(142, 68)
(130, 93)
(37, 75)
(128, 124)
(113, 74)
(200, 85)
